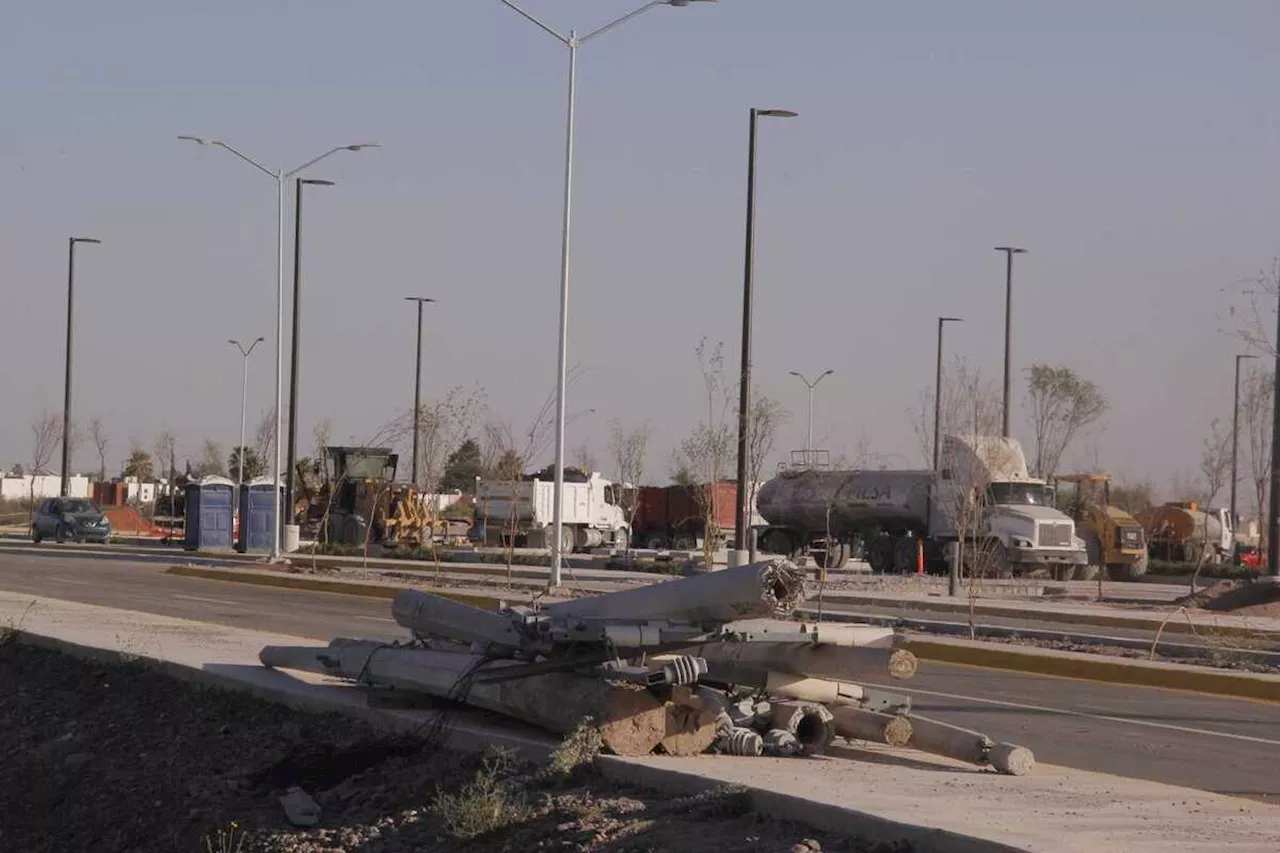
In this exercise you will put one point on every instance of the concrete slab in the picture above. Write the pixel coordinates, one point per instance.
(880, 793)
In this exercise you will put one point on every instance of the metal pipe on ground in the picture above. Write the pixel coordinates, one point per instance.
(768, 588)
(631, 720)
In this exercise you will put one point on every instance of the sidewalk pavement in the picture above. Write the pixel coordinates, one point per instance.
(885, 794)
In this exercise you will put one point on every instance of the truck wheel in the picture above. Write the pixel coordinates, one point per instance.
(836, 556)
(656, 542)
(880, 554)
(684, 542)
(566, 539)
(904, 555)
(1128, 571)
(777, 542)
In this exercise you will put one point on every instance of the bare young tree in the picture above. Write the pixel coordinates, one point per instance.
(584, 457)
(98, 435)
(1215, 461)
(46, 432)
(1062, 403)
(264, 440)
(765, 417)
(706, 453)
(970, 405)
(630, 450)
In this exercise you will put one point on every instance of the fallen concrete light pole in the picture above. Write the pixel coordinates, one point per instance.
(934, 737)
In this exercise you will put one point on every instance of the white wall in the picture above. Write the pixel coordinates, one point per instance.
(45, 486)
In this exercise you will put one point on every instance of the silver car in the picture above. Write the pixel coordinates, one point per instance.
(70, 518)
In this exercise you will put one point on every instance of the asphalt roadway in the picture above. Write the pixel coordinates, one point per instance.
(1229, 746)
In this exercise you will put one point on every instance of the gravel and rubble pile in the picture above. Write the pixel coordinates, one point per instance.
(119, 757)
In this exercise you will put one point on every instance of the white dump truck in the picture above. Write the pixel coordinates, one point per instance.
(982, 497)
(522, 512)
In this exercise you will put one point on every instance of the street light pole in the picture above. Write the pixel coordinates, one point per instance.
(1009, 252)
(417, 385)
(1235, 437)
(742, 515)
(279, 176)
(1273, 530)
(292, 457)
(808, 445)
(244, 398)
(571, 41)
(937, 392)
(65, 484)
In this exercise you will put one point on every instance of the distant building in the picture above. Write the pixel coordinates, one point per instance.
(42, 486)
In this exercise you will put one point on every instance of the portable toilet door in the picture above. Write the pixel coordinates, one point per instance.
(257, 515)
(209, 515)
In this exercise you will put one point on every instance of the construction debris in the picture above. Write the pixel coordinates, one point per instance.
(708, 663)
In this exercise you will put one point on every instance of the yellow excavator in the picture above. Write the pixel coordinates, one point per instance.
(1113, 538)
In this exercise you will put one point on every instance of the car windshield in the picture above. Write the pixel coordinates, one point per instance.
(1032, 494)
(75, 506)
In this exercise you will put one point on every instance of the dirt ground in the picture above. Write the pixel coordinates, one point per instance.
(121, 758)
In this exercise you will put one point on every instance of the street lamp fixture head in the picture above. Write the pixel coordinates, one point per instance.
(951, 319)
(317, 182)
(1014, 250)
(778, 113)
(795, 373)
(85, 240)
(418, 299)
(827, 372)
(1245, 355)
(361, 145)
(679, 3)
(200, 140)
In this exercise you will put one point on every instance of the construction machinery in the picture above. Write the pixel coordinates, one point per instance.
(982, 499)
(1182, 532)
(359, 502)
(1113, 538)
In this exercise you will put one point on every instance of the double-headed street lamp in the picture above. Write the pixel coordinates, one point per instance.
(66, 387)
(808, 445)
(742, 514)
(572, 41)
(279, 176)
(291, 457)
(245, 352)
(417, 385)
(1009, 252)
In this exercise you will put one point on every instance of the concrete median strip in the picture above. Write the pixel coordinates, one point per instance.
(934, 804)
(1088, 667)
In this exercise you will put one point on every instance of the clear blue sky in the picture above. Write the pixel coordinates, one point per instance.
(1133, 147)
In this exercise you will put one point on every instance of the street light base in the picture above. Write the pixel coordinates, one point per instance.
(737, 557)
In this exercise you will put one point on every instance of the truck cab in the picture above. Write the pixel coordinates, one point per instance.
(986, 497)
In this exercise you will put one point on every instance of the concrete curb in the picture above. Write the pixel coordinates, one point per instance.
(1092, 667)
(1099, 620)
(1078, 665)
(784, 807)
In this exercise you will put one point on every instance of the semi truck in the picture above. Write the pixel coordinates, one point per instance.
(674, 516)
(522, 512)
(982, 498)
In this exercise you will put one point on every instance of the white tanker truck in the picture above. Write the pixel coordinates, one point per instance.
(983, 496)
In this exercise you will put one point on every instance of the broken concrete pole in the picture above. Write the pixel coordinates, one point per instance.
(749, 664)
(691, 727)
(810, 722)
(768, 588)
(861, 724)
(630, 720)
(780, 742)
(428, 615)
(969, 746)
(812, 689)
(742, 742)
(299, 808)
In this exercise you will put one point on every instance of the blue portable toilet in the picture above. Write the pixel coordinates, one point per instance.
(257, 515)
(209, 515)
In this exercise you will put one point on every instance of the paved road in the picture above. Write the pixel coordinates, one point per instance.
(1217, 744)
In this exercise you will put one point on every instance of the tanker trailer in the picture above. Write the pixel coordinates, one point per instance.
(1182, 532)
(983, 496)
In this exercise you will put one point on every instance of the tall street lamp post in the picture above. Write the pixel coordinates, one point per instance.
(808, 444)
(291, 459)
(417, 385)
(1009, 252)
(1235, 437)
(571, 41)
(245, 352)
(742, 514)
(66, 385)
(279, 176)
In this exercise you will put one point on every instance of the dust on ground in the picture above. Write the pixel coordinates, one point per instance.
(1244, 598)
(118, 757)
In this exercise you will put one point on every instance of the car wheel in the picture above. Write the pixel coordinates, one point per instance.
(60, 535)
